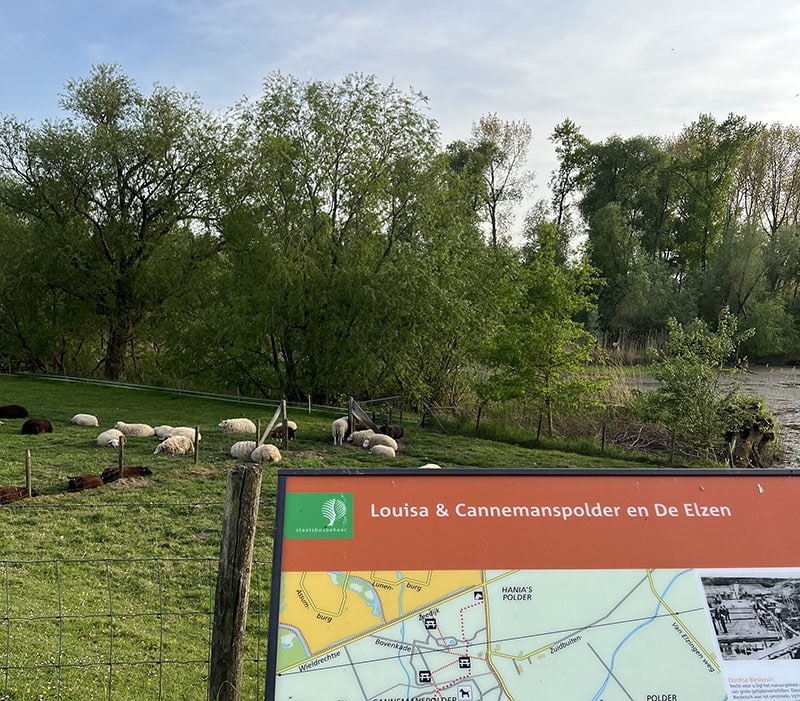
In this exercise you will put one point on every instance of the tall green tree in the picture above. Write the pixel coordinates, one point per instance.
(539, 353)
(115, 199)
(339, 218)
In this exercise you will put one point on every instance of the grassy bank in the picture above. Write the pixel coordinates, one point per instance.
(108, 591)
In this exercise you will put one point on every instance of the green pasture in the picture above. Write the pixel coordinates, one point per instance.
(107, 593)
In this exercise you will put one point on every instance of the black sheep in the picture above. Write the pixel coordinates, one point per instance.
(33, 427)
(13, 411)
(85, 481)
(111, 474)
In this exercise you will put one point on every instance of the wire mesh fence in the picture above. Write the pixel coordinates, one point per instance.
(119, 628)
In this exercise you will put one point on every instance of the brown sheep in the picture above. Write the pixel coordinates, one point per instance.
(85, 481)
(111, 474)
(9, 494)
(33, 427)
(393, 430)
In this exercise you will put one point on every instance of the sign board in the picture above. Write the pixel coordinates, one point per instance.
(442, 585)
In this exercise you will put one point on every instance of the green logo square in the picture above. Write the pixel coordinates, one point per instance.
(318, 515)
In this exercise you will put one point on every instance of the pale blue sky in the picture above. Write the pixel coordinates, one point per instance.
(627, 67)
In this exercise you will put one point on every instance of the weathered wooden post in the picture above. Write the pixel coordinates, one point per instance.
(28, 481)
(233, 582)
(121, 454)
(196, 444)
(285, 420)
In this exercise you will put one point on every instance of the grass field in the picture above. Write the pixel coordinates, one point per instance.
(107, 593)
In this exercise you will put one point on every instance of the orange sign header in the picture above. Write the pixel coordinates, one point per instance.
(533, 520)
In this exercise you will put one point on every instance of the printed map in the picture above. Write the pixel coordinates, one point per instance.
(610, 635)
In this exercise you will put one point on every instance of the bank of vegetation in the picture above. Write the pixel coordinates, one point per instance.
(318, 241)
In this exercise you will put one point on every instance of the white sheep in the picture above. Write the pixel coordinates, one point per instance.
(109, 438)
(163, 432)
(379, 439)
(338, 430)
(430, 466)
(358, 437)
(175, 445)
(242, 449)
(266, 453)
(135, 430)
(237, 426)
(384, 451)
(85, 420)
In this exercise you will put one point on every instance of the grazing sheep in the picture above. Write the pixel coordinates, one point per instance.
(10, 494)
(109, 438)
(266, 453)
(85, 481)
(163, 432)
(242, 449)
(237, 426)
(175, 445)
(291, 429)
(85, 420)
(393, 430)
(358, 437)
(13, 411)
(112, 474)
(339, 430)
(135, 430)
(384, 451)
(33, 427)
(379, 439)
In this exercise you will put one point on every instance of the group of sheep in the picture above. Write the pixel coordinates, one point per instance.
(382, 443)
(253, 450)
(178, 440)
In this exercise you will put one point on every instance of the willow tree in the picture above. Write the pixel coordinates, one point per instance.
(114, 198)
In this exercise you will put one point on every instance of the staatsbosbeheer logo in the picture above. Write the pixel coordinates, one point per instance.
(318, 515)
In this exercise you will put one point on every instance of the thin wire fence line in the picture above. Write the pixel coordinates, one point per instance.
(118, 650)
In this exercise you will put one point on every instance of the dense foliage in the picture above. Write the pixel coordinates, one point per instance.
(318, 241)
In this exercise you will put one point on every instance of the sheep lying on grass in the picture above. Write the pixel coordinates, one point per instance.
(109, 438)
(11, 494)
(358, 437)
(33, 427)
(13, 411)
(384, 451)
(339, 430)
(266, 453)
(86, 481)
(393, 430)
(85, 420)
(135, 430)
(242, 450)
(163, 432)
(379, 439)
(175, 445)
(112, 474)
(240, 425)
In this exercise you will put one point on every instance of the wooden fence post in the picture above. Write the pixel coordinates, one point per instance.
(285, 425)
(233, 582)
(28, 481)
(121, 454)
(196, 444)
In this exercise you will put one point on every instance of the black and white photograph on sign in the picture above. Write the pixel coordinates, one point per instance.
(755, 618)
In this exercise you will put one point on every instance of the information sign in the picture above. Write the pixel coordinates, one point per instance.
(501, 585)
